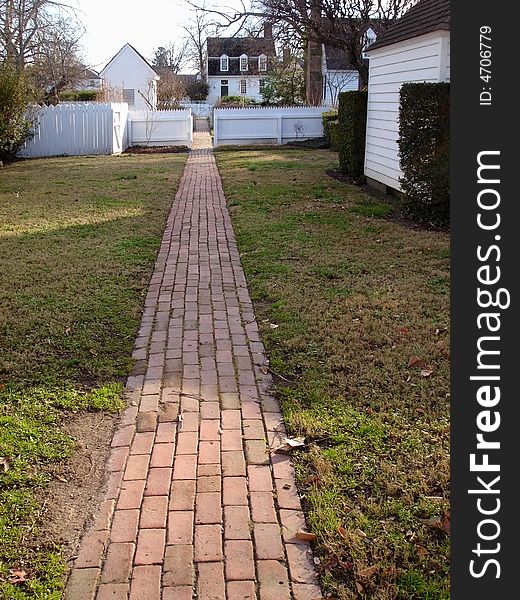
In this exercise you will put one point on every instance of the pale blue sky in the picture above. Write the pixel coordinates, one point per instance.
(145, 24)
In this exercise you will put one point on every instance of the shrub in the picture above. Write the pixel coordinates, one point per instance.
(424, 148)
(334, 132)
(327, 118)
(15, 126)
(79, 96)
(197, 90)
(351, 132)
(234, 101)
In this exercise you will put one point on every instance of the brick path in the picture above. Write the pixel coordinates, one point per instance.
(196, 507)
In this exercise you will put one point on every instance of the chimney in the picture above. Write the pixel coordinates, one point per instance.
(268, 30)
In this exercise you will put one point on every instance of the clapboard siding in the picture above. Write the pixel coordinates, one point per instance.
(421, 59)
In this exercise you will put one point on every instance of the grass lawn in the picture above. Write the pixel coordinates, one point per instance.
(356, 295)
(78, 238)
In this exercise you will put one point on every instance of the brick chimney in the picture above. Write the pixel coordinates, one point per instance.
(268, 30)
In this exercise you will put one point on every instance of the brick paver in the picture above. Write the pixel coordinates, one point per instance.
(197, 505)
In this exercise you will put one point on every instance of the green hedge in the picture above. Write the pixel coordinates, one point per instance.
(78, 96)
(352, 118)
(424, 151)
(328, 118)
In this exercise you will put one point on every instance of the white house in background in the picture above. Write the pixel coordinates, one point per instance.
(339, 75)
(415, 49)
(239, 66)
(90, 82)
(129, 72)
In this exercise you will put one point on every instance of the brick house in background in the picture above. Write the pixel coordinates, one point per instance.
(239, 66)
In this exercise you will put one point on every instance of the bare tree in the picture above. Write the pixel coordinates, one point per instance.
(339, 23)
(58, 65)
(198, 29)
(172, 56)
(23, 24)
(337, 82)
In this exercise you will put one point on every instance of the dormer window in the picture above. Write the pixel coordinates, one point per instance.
(262, 62)
(243, 62)
(224, 62)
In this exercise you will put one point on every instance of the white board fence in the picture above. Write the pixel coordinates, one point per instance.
(76, 129)
(266, 125)
(80, 129)
(161, 128)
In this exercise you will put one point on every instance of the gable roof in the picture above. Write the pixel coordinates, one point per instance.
(424, 17)
(236, 46)
(135, 51)
(90, 74)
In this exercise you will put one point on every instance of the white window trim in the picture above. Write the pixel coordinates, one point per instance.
(224, 60)
(244, 60)
(262, 63)
(243, 86)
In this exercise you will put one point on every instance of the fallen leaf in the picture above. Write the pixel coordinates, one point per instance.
(343, 532)
(289, 444)
(416, 361)
(264, 370)
(445, 525)
(305, 536)
(16, 576)
(273, 325)
(312, 479)
(4, 464)
(359, 588)
(403, 330)
(426, 372)
(368, 572)
(421, 411)
(433, 521)
(60, 478)
(421, 550)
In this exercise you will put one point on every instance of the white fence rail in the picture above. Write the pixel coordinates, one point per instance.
(78, 129)
(161, 128)
(264, 125)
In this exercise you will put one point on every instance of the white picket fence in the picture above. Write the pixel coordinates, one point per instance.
(161, 128)
(265, 125)
(79, 129)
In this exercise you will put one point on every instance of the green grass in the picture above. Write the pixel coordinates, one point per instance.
(355, 296)
(78, 239)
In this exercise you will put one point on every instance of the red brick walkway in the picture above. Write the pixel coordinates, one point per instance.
(196, 506)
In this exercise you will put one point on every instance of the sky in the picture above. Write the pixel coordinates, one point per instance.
(146, 24)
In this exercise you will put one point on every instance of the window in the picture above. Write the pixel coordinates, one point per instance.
(224, 63)
(243, 63)
(262, 85)
(129, 96)
(243, 86)
(262, 62)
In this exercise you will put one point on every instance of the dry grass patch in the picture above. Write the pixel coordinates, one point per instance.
(356, 296)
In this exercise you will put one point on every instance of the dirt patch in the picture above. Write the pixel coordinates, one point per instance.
(73, 496)
(156, 150)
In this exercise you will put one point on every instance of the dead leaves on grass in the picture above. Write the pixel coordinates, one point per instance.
(16, 577)
(4, 464)
(290, 444)
(420, 363)
(443, 523)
